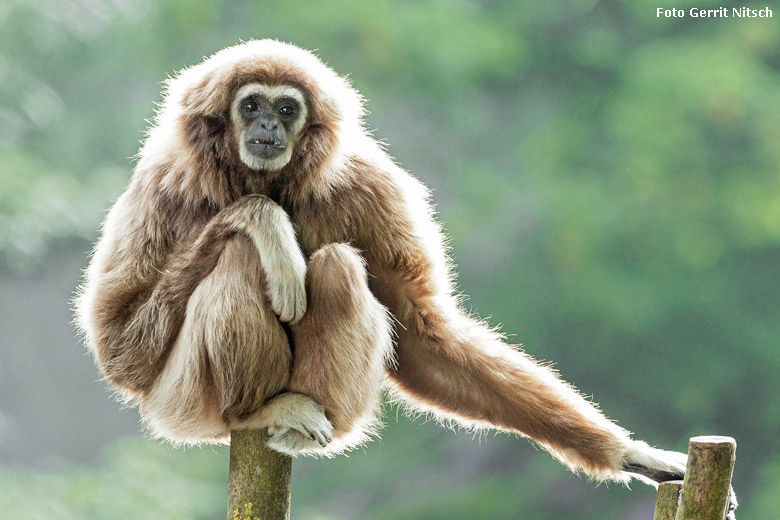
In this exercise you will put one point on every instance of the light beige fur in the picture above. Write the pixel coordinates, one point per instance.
(198, 258)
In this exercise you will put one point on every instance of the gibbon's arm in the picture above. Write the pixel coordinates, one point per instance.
(458, 368)
(137, 288)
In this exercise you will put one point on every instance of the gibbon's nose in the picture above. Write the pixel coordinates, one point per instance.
(268, 123)
(266, 138)
(266, 130)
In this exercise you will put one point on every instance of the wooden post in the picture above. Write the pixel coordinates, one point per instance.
(667, 499)
(259, 481)
(705, 493)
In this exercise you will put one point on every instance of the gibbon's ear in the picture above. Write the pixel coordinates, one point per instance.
(206, 134)
(204, 102)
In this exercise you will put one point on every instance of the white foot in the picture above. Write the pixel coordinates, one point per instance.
(295, 423)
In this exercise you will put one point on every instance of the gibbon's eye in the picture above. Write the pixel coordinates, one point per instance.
(287, 110)
(250, 106)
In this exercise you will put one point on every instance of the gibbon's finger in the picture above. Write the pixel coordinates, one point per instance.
(733, 504)
(288, 297)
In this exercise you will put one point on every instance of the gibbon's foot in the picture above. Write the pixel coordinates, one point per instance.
(296, 423)
(293, 443)
(660, 465)
(733, 504)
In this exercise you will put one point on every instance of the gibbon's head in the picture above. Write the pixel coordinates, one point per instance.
(256, 108)
(266, 120)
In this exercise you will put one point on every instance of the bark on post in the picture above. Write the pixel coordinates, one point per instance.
(259, 481)
(667, 499)
(705, 493)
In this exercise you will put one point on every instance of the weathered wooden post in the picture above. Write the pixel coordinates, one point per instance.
(259, 481)
(667, 499)
(705, 493)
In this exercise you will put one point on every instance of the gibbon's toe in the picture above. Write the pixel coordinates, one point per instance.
(296, 423)
(277, 429)
(292, 442)
(322, 437)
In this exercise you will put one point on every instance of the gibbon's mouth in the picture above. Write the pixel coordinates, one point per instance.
(275, 144)
(266, 149)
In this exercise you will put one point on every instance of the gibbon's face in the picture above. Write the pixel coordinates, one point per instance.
(267, 120)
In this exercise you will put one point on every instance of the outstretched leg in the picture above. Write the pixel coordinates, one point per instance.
(341, 348)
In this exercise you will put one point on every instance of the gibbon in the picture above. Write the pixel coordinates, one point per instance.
(270, 266)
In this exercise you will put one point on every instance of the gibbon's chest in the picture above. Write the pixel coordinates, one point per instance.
(326, 224)
(313, 232)
(358, 216)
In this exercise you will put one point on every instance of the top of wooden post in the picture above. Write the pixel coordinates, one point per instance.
(705, 493)
(712, 440)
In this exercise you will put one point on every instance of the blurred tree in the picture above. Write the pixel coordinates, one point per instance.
(611, 182)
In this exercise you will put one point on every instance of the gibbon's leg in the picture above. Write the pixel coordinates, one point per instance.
(230, 356)
(185, 342)
(341, 348)
(133, 303)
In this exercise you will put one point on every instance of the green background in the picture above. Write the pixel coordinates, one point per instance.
(610, 181)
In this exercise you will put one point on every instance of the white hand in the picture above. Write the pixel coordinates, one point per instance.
(270, 229)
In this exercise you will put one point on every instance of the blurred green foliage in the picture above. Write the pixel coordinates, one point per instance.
(611, 182)
(136, 479)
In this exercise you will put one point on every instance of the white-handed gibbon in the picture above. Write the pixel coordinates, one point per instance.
(270, 266)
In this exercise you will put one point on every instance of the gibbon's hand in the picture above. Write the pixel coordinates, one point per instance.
(269, 227)
(733, 504)
(659, 466)
(288, 295)
(285, 284)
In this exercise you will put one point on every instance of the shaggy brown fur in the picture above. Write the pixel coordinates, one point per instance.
(174, 306)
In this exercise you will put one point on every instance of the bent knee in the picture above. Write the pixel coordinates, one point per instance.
(240, 259)
(337, 258)
(239, 245)
(337, 270)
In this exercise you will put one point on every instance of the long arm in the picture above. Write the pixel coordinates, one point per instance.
(138, 284)
(458, 368)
